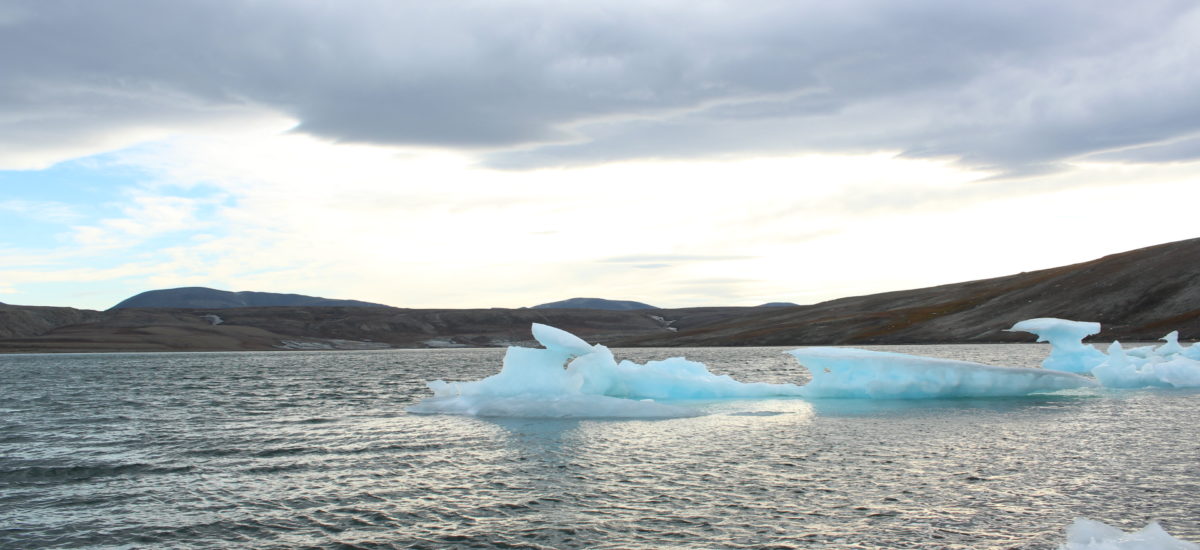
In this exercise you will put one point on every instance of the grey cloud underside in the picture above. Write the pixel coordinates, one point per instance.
(1017, 87)
(1184, 150)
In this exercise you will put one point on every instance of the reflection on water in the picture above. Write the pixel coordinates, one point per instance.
(903, 407)
(286, 450)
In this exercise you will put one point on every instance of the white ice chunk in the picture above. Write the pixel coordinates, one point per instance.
(1192, 351)
(859, 373)
(1171, 347)
(1067, 350)
(534, 383)
(1180, 372)
(672, 379)
(1143, 352)
(525, 371)
(1086, 534)
(1125, 370)
(560, 340)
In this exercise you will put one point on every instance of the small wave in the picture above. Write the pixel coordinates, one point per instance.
(278, 468)
(316, 420)
(228, 451)
(35, 474)
(286, 451)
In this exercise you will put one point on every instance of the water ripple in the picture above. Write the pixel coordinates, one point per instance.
(311, 450)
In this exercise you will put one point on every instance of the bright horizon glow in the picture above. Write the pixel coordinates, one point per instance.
(430, 229)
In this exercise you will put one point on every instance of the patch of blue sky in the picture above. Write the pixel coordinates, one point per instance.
(40, 209)
(103, 276)
(88, 295)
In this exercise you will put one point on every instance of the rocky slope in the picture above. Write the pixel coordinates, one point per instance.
(25, 321)
(1135, 295)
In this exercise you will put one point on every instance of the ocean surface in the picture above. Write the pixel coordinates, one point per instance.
(314, 450)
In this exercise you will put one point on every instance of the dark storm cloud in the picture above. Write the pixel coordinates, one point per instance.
(1018, 87)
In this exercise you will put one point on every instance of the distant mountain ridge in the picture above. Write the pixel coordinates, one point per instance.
(198, 297)
(595, 303)
(1138, 295)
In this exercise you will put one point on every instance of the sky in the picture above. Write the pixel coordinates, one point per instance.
(509, 153)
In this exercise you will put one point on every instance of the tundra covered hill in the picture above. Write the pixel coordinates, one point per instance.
(1137, 295)
(594, 303)
(272, 328)
(208, 298)
(24, 321)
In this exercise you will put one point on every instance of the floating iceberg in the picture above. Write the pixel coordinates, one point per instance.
(859, 373)
(1086, 534)
(1169, 365)
(1067, 350)
(571, 378)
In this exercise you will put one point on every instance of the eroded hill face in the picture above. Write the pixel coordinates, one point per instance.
(1136, 295)
(27, 321)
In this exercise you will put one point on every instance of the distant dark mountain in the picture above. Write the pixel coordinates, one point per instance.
(207, 298)
(595, 303)
(778, 304)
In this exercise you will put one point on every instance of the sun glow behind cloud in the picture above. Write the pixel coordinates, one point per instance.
(280, 211)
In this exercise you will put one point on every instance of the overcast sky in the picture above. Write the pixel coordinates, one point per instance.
(505, 154)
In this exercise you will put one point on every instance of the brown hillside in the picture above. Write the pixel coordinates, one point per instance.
(1136, 295)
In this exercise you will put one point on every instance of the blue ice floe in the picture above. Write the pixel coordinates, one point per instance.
(571, 378)
(1166, 366)
(865, 374)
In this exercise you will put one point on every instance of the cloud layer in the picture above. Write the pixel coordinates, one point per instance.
(1014, 87)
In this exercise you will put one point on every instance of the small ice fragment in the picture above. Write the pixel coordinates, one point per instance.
(1087, 534)
(560, 340)
(1193, 351)
(1171, 347)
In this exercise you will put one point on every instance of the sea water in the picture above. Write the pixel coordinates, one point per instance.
(314, 449)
